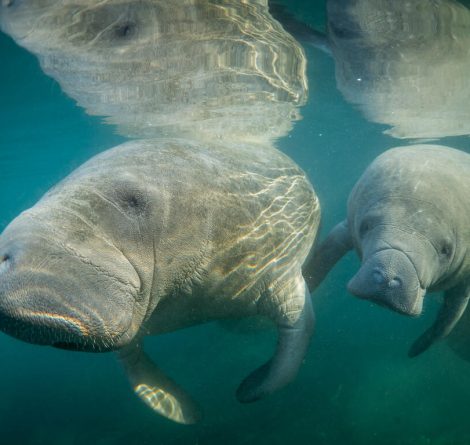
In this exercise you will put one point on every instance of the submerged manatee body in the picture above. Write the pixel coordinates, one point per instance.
(203, 219)
(154, 236)
(408, 221)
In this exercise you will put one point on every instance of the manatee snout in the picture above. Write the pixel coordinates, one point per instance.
(51, 295)
(390, 279)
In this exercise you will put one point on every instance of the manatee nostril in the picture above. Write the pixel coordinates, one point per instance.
(378, 276)
(382, 279)
(394, 283)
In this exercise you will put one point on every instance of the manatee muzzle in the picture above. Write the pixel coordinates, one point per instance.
(45, 328)
(47, 302)
(389, 278)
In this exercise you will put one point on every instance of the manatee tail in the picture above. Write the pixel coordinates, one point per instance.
(326, 255)
(295, 322)
(157, 390)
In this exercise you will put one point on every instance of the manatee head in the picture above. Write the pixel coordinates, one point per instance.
(404, 231)
(71, 271)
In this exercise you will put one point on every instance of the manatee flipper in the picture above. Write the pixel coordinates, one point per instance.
(155, 389)
(327, 254)
(455, 302)
(295, 319)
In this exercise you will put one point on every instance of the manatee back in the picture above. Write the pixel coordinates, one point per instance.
(242, 215)
(435, 173)
(267, 222)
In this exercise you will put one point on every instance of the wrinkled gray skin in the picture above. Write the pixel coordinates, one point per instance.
(408, 221)
(154, 236)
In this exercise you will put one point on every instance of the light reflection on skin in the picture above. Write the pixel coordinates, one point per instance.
(70, 322)
(160, 401)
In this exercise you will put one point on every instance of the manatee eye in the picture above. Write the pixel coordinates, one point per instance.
(364, 227)
(124, 30)
(132, 200)
(446, 249)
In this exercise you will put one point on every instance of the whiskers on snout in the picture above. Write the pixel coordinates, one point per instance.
(59, 331)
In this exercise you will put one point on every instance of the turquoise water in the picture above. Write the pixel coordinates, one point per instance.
(357, 385)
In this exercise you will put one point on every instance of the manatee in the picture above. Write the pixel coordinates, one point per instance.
(154, 236)
(407, 219)
(199, 219)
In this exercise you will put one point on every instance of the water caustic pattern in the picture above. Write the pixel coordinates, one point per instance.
(159, 401)
(226, 71)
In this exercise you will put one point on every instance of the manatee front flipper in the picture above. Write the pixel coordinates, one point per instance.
(155, 389)
(291, 309)
(327, 254)
(455, 302)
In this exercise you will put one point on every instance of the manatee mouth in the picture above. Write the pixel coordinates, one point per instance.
(71, 295)
(402, 310)
(67, 346)
(59, 331)
(77, 347)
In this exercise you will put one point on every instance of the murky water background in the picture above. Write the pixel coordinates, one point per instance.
(357, 385)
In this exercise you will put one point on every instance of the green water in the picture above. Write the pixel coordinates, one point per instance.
(357, 385)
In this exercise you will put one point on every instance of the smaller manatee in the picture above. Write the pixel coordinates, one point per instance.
(408, 221)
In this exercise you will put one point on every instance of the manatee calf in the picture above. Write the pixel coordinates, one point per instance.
(408, 221)
(153, 236)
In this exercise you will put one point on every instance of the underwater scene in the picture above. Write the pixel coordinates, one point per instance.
(199, 140)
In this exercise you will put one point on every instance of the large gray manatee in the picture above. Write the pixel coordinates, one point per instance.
(408, 221)
(203, 219)
(153, 236)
